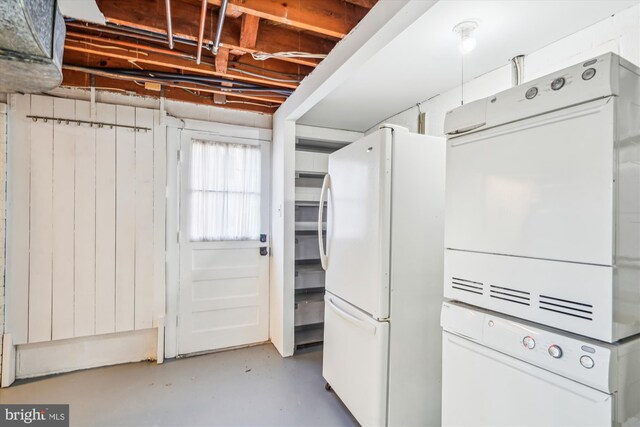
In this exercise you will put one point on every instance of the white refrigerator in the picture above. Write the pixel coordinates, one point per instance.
(383, 256)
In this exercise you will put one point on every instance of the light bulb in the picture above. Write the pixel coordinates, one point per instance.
(467, 44)
(465, 31)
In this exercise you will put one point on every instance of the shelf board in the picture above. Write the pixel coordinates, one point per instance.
(309, 226)
(308, 261)
(305, 291)
(309, 297)
(309, 334)
(309, 267)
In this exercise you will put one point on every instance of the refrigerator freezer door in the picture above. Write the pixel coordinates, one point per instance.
(355, 360)
(358, 223)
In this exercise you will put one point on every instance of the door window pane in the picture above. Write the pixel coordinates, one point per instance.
(224, 191)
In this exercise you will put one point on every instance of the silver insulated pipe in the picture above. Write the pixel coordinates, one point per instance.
(517, 70)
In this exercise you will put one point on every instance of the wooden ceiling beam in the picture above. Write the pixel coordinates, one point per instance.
(83, 80)
(142, 14)
(222, 60)
(249, 31)
(334, 18)
(368, 4)
(68, 68)
(265, 66)
(222, 63)
(155, 59)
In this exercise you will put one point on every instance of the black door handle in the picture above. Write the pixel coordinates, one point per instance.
(264, 251)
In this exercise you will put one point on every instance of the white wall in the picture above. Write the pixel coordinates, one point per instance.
(3, 148)
(619, 33)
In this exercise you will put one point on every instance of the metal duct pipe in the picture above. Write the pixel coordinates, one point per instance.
(203, 17)
(223, 11)
(31, 45)
(169, 26)
(517, 70)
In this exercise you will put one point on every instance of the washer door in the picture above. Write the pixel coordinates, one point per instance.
(482, 387)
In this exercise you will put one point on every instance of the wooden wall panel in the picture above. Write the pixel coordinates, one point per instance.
(41, 224)
(106, 221)
(159, 213)
(144, 220)
(18, 197)
(85, 224)
(125, 219)
(86, 220)
(64, 146)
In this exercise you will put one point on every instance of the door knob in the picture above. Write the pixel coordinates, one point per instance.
(264, 251)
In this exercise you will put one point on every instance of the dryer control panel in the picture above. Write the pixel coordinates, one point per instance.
(572, 356)
(586, 81)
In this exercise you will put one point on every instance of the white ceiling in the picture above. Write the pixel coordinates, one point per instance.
(424, 60)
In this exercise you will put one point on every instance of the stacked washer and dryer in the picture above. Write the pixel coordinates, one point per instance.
(542, 260)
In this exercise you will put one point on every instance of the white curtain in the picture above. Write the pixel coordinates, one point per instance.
(225, 191)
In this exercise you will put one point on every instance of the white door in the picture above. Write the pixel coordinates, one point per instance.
(482, 387)
(359, 222)
(224, 262)
(355, 360)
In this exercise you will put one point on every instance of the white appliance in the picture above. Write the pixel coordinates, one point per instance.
(501, 371)
(543, 200)
(383, 262)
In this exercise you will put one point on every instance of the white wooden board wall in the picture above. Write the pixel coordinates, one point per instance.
(86, 221)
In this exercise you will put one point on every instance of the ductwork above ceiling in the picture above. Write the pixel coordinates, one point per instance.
(31, 45)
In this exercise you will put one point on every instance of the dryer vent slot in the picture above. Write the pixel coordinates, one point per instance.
(467, 285)
(567, 307)
(510, 295)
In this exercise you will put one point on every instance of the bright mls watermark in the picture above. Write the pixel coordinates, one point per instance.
(34, 415)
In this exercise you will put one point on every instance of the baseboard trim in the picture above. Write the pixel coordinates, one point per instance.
(54, 357)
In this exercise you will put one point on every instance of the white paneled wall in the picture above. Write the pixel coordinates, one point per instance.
(86, 206)
(3, 148)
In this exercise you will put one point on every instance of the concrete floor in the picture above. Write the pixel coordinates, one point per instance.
(246, 387)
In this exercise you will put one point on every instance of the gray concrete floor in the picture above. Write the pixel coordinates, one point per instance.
(246, 387)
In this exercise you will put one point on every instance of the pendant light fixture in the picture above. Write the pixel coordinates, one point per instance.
(465, 30)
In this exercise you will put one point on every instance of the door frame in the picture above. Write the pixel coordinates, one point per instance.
(175, 130)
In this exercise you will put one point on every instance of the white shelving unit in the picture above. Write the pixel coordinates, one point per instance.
(311, 166)
(304, 293)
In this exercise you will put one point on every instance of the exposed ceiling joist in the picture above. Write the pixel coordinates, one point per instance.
(132, 52)
(272, 68)
(363, 3)
(142, 14)
(176, 92)
(334, 18)
(249, 31)
(154, 59)
(222, 65)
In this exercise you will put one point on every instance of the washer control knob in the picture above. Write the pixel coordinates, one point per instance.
(557, 83)
(555, 351)
(588, 73)
(529, 342)
(531, 93)
(587, 362)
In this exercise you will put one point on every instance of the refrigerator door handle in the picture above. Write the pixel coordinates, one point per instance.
(325, 186)
(350, 317)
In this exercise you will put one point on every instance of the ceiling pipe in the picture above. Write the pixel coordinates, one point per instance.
(222, 13)
(169, 26)
(203, 17)
(517, 70)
